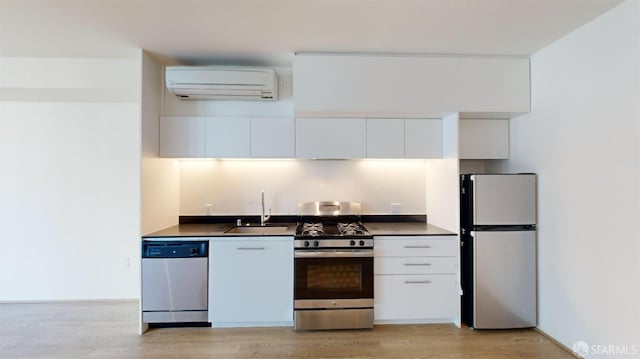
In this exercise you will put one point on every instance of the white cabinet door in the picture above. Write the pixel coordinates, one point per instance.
(379, 85)
(423, 138)
(330, 138)
(272, 137)
(484, 138)
(373, 84)
(182, 137)
(385, 138)
(415, 297)
(227, 137)
(251, 281)
(494, 85)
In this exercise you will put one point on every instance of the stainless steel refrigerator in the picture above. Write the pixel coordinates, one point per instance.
(498, 250)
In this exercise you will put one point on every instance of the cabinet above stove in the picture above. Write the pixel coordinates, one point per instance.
(367, 85)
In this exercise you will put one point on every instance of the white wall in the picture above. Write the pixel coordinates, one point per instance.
(583, 139)
(160, 176)
(233, 186)
(70, 178)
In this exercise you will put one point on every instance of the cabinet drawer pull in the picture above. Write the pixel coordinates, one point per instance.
(417, 282)
(424, 246)
(417, 264)
(250, 248)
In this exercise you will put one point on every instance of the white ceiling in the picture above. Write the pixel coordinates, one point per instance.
(261, 32)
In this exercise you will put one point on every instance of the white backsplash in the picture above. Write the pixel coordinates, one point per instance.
(233, 186)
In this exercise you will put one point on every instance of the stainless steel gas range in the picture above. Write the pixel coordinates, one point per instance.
(333, 287)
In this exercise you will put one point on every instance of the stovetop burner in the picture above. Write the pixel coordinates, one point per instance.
(332, 235)
(312, 229)
(339, 229)
(351, 229)
(331, 225)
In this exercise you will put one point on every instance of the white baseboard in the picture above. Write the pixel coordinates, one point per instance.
(416, 321)
(555, 341)
(105, 300)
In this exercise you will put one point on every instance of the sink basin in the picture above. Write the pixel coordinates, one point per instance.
(258, 230)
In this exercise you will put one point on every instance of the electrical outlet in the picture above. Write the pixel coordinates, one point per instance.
(395, 208)
(127, 262)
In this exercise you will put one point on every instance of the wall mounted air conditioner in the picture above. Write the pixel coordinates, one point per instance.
(222, 83)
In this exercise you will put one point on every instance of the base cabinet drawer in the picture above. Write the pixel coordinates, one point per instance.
(415, 265)
(445, 246)
(415, 297)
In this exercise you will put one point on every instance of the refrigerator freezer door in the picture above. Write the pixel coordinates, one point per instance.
(504, 199)
(504, 280)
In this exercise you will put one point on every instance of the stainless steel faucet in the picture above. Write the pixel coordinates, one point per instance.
(264, 218)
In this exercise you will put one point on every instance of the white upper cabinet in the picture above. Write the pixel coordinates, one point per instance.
(227, 137)
(404, 138)
(182, 137)
(372, 86)
(330, 138)
(494, 85)
(272, 137)
(286, 137)
(408, 86)
(484, 139)
(385, 138)
(423, 138)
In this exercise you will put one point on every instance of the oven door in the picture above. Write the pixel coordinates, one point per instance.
(333, 274)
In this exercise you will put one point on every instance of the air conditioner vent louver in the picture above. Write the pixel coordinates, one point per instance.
(222, 83)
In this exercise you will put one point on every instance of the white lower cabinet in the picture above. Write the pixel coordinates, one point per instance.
(429, 298)
(416, 279)
(251, 281)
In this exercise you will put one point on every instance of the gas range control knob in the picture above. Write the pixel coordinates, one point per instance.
(306, 243)
(362, 243)
(316, 243)
(352, 242)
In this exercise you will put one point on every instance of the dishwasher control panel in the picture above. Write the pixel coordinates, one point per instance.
(175, 249)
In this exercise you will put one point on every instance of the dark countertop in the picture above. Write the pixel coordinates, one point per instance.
(405, 229)
(218, 230)
(211, 230)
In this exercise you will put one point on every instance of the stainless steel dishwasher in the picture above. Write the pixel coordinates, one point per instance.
(175, 281)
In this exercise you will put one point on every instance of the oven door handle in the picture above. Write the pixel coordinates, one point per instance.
(333, 254)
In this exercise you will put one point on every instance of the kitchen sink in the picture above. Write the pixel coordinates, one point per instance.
(258, 229)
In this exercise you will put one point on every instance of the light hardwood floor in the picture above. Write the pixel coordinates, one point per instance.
(109, 329)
